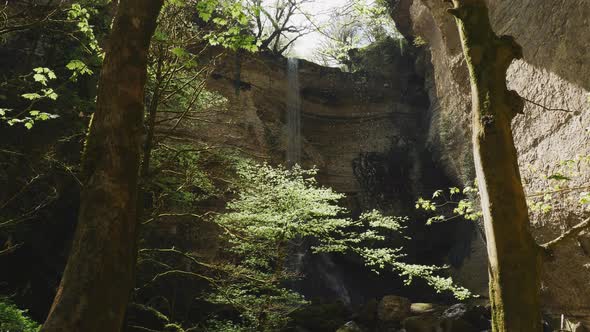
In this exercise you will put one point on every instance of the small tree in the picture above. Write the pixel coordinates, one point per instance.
(276, 207)
(357, 24)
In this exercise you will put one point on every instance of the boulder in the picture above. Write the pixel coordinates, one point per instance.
(350, 327)
(422, 308)
(393, 308)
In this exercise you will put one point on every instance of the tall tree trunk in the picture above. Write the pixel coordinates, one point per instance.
(514, 257)
(99, 275)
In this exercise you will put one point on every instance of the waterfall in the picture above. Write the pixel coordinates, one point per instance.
(293, 155)
(320, 266)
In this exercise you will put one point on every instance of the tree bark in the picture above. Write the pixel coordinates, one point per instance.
(514, 257)
(99, 274)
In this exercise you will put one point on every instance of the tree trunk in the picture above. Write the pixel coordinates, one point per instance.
(514, 257)
(151, 125)
(99, 275)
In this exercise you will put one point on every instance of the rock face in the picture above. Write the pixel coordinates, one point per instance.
(344, 116)
(554, 73)
(364, 131)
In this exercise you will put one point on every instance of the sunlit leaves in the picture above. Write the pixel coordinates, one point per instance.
(43, 75)
(29, 121)
(276, 206)
(462, 206)
(29, 116)
(78, 68)
(232, 24)
(81, 16)
(584, 198)
(206, 8)
(426, 204)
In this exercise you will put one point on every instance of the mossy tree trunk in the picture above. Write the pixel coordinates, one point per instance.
(99, 274)
(514, 256)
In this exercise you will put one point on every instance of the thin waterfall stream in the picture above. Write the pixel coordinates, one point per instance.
(320, 265)
(293, 156)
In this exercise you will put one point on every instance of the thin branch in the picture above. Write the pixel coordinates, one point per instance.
(178, 252)
(567, 235)
(182, 273)
(163, 215)
(10, 249)
(549, 109)
(22, 189)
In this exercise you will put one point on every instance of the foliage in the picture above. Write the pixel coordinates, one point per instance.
(463, 203)
(357, 24)
(15, 320)
(276, 207)
(179, 175)
(81, 14)
(562, 188)
(230, 24)
(419, 41)
(39, 99)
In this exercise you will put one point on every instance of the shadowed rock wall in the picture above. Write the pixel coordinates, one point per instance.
(555, 73)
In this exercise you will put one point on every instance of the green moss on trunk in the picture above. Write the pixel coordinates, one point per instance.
(514, 257)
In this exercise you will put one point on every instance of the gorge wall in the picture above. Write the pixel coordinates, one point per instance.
(554, 73)
(365, 132)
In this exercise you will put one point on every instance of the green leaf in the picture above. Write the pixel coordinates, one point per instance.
(49, 93)
(51, 75)
(179, 52)
(79, 67)
(34, 113)
(31, 96)
(40, 78)
(584, 198)
(29, 125)
(220, 21)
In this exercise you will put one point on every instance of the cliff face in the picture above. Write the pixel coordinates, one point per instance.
(554, 73)
(346, 118)
(365, 132)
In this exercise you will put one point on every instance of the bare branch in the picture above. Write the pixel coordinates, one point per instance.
(548, 108)
(572, 232)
